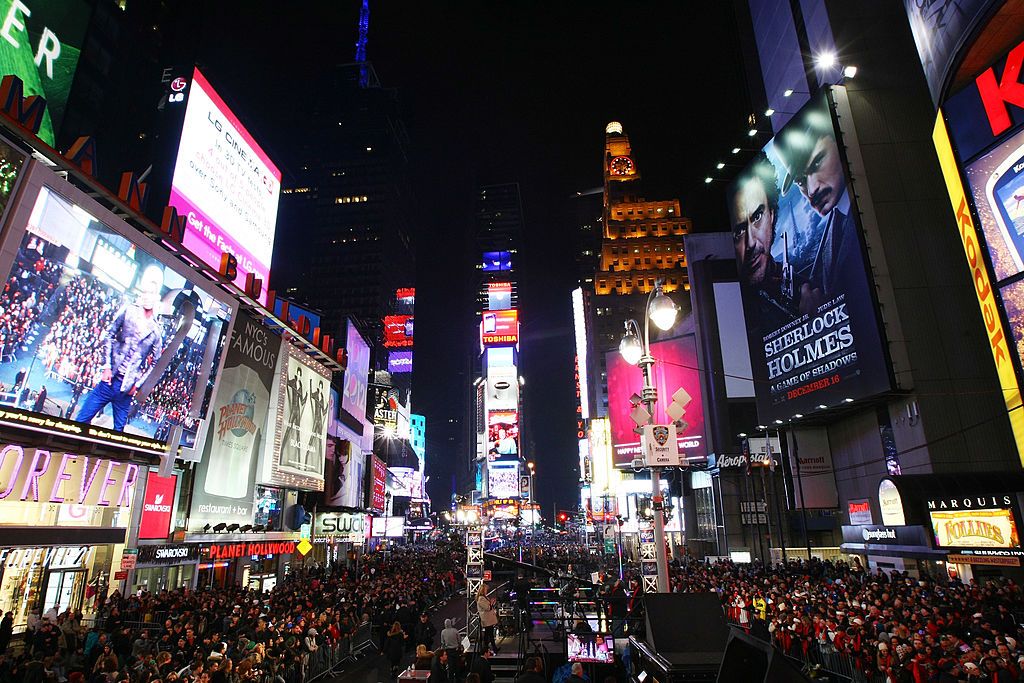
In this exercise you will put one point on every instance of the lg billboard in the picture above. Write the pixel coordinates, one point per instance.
(226, 186)
(812, 323)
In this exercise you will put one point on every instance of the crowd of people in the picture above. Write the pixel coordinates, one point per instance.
(33, 280)
(234, 634)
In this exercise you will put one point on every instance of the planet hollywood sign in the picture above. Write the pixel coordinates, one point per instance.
(230, 551)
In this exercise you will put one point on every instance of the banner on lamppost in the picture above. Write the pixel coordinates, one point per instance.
(660, 446)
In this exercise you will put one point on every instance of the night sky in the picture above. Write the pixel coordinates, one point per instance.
(502, 92)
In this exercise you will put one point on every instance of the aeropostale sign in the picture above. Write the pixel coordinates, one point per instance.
(37, 475)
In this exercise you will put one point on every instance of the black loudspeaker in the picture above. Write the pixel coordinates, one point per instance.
(750, 660)
(686, 628)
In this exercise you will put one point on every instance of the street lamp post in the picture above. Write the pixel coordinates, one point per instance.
(533, 547)
(636, 350)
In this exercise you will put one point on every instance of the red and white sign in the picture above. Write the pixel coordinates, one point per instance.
(499, 328)
(378, 488)
(158, 506)
(398, 331)
(860, 511)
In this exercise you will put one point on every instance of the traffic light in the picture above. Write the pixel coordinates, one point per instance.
(563, 519)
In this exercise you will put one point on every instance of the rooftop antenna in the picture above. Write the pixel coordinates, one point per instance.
(364, 30)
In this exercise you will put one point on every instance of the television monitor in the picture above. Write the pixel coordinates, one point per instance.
(590, 648)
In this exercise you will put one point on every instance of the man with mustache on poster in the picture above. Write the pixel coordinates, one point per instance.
(809, 149)
(753, 212)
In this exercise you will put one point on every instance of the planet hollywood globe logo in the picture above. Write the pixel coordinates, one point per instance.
(237, 416)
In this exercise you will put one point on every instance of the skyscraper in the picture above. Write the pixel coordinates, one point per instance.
(343, 242)
(642, 242)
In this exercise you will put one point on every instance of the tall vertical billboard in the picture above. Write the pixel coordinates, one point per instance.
(812, 323)
(238, 430)
(344, 474)
(979, 138)
(303, 409)
(357, 378)
(675, 369)
(40, 43)
(104, 336)
(226, 186)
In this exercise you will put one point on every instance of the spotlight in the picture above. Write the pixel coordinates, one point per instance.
(720, 166)
(778, 422)
(769, 111)
(258, 528)
(752, 132)
(206, 529)
(742, 435)
(850, 71)
(822, 406)
(735, 150)
(798, 415)
(826, 60)
(245, 528)
(848, 400)
(788, 92)
(220, 527)
(707, 180)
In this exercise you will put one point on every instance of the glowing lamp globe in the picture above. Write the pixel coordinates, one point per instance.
(631, 348)
(663, 311)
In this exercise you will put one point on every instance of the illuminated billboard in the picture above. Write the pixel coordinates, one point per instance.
(502, 389)
(303, 320)
(674, 369)
(812, 324)
(495, 261)
(402, 482)
(238, 430)
(398, 331)
(500, 357)
(399, 362)
(300, 443)
(502, 434)
(226, 186)
(105, 337)
(157, 506)
(988, 136)
(357, 374)
(343, 474)
(579, 325)
(499, 296)
(387, 402)
(499, 328)
(981, 528)
(40, 43)
(503, 480)
(378, 473)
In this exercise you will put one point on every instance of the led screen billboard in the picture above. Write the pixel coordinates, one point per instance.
(237, 431)
(343, 474)
(500, 357)
(102, 336)
(980, 528)
(226, 186)
(499, 328)
(402, 481)
(503, 480)
(499, 296)
(400, 362)
(495, 261)
(303, 409)
(301, 319)
(502, 434)
(357, 373)
(378, 474)
(398, 331)
(675, 368)
(812, 324)
(502, 389)
(40, 43)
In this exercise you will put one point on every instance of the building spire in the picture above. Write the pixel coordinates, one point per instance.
(364, 30)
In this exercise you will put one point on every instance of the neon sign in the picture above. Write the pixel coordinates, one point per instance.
(37, 475)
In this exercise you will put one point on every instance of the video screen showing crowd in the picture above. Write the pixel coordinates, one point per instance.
(114, 339)
(811, 320)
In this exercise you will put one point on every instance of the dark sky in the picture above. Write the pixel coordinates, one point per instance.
(501, 92)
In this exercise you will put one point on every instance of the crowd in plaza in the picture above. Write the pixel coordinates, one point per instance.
(891, 627)
(234, 634)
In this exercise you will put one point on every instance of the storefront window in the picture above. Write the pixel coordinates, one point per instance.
(154, 579)
(66, 577)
